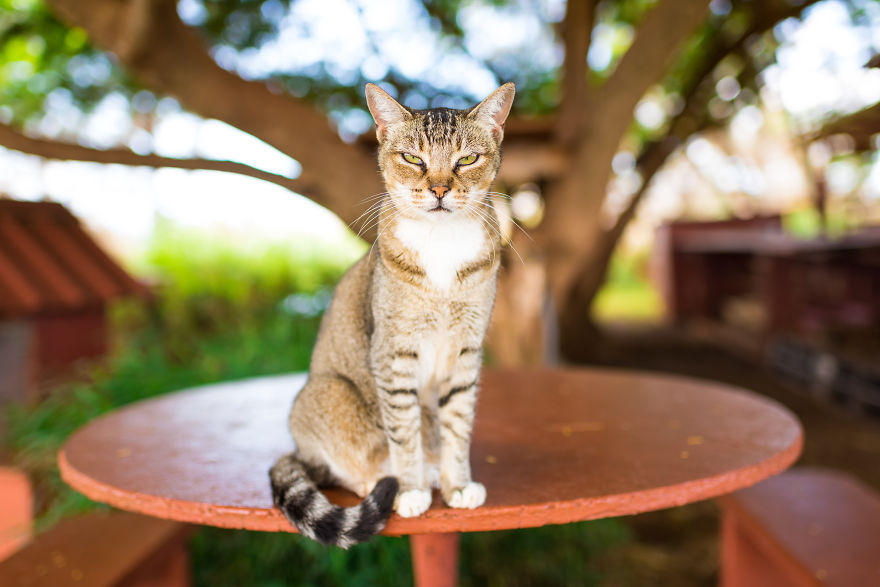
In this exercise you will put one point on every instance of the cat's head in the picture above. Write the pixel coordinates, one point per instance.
(439, 162)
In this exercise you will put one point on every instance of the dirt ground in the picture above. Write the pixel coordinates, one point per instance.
(679, 547)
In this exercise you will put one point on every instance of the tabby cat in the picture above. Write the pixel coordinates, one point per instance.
(388, 408)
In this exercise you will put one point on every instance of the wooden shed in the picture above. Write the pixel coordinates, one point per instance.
(55, 283)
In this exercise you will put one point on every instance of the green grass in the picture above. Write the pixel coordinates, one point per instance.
(552, 555)
(143, 368)
(628, 304)
(220, 314)
(628, 295)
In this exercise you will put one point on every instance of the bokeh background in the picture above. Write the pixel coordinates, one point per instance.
(222, 153)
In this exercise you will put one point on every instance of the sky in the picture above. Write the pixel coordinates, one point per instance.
(819, 70)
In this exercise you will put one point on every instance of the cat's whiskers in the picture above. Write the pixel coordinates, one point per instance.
(394, 212)
(512, 219)
(374, 197)
(488, 224)
(373, 220)
(472, 213)
(371, 208)
(488, 217)
(370, 222)
(493, 224)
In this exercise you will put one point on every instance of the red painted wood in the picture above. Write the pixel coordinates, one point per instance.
(103, 550)
(808, 527)
(551, 446)
(49, 263)
(16, 511)
(435, 559)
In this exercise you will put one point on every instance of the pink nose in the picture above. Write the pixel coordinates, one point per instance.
(439, 191)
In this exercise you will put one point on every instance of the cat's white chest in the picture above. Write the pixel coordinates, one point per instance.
(442, 247)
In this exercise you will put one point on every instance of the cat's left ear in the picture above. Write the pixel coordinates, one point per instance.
(493, 110)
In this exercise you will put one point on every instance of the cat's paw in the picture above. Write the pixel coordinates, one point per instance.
(471, 496)
(412, 503)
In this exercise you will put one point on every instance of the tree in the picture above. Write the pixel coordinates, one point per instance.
(584, 117)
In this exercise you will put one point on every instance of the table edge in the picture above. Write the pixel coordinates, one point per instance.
(484, 518)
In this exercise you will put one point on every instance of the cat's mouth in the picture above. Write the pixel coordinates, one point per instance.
(439, 208)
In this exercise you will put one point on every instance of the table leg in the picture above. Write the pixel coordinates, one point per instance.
(435, 559)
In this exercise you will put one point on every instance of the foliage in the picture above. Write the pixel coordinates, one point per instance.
(42, 60)
(552, 555)
(144, 368)
(45, 65)
(209, 283)
(238, 557)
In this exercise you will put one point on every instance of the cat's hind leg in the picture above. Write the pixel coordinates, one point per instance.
(333, 425)
(338, 442)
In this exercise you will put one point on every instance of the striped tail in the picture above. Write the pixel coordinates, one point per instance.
(297, 495)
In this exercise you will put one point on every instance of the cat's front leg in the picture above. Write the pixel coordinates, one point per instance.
(457, 403)
(395, 372)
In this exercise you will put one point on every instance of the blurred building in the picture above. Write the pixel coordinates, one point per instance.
(811, 307)
(55, 283)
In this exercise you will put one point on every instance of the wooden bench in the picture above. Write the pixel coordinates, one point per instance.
(805, 527)
(117, 549)
(16, 507)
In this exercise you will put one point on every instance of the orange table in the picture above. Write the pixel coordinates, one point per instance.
(551, 446)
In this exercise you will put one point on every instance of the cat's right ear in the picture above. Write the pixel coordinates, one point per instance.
(386, 110)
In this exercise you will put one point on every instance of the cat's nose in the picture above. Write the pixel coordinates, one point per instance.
(440, 190)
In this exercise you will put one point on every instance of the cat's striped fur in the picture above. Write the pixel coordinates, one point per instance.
(388, 408)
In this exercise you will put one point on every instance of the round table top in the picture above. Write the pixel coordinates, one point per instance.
(551, 447)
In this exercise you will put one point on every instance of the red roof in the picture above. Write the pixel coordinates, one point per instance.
(49, 264)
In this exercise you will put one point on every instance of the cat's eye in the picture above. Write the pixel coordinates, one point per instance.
(467, 160)
(412, 159)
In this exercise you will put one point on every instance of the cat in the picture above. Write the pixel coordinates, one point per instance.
(388, 408)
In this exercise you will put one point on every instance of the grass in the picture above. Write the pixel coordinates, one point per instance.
(224, 313)
(628, 295)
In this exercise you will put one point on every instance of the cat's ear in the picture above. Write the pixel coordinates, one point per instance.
(385, 110)
(493, 110)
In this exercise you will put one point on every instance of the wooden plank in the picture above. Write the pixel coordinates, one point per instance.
(813, 526)
(97, 550)
(55, 281)
(19, 295)
(82, 262)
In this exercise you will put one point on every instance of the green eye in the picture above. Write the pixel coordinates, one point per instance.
(412, 159)
(467, 160)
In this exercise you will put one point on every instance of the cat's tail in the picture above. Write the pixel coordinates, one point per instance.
(297, 495)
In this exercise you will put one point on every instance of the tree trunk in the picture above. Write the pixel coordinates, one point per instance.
(519, 334)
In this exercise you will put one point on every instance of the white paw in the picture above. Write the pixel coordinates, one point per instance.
(413, 503)
(470, 496)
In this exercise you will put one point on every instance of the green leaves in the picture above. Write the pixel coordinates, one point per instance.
(40, 55)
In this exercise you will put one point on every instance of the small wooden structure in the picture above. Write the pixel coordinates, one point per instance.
(55, 282)
(551, 446)
(796, 286)
(811, 308)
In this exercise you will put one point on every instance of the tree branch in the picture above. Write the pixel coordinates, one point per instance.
(176, 63)
(861, 125)
(48, 149)
(659, 38)
(577, 32)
